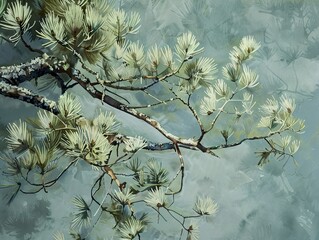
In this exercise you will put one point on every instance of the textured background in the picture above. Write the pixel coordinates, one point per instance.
(272, 203)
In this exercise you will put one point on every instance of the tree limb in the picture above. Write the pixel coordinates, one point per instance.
(26, 95)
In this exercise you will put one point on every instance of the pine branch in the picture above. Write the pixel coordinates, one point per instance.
(85, 83)
(44, 65)
(262, 137)
(42, 102)
(32, 69)
(26, 95)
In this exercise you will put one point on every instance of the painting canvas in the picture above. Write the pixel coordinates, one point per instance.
(171, 119)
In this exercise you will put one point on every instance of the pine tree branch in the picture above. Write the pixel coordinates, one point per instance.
(42, 102)
(262, 137)
(17, 74)
(44, 65)
(26, 95)
(85, 83)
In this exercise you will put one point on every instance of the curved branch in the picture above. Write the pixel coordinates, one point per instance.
(44, 65)
(180, 171)
(25, 95)
(84, 82)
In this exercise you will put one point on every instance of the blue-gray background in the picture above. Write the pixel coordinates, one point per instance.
(273, 203)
